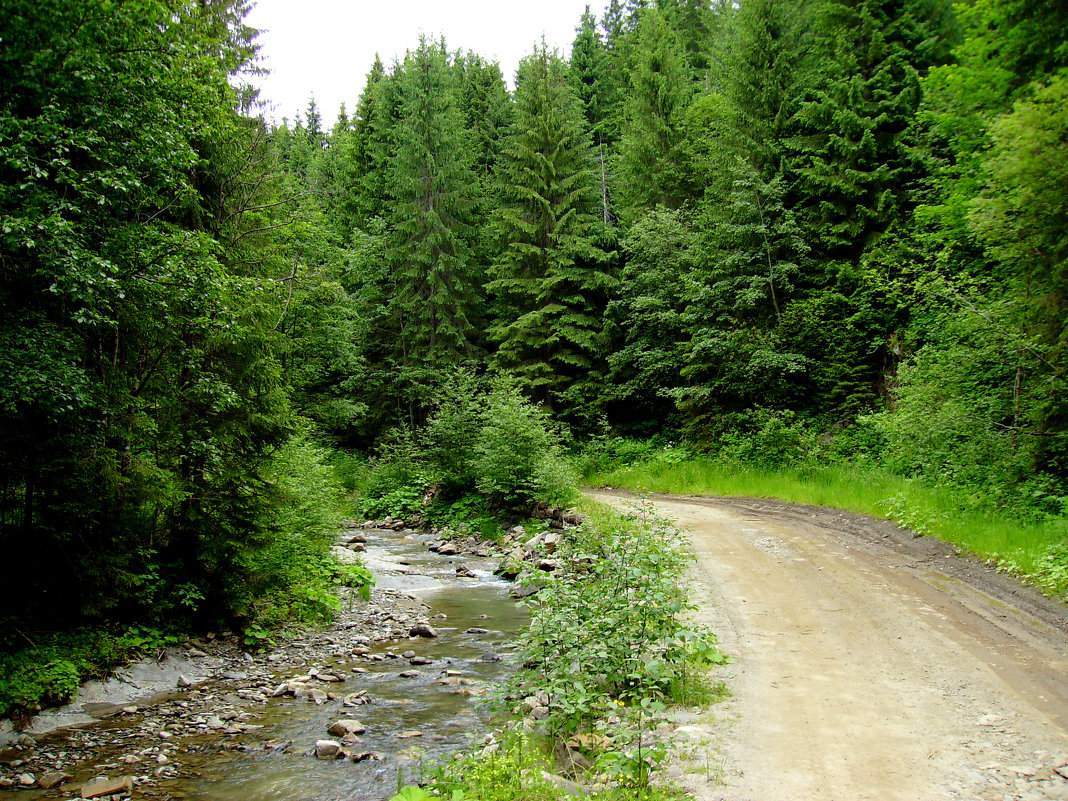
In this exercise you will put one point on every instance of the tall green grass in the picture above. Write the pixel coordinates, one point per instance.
(1035, 549)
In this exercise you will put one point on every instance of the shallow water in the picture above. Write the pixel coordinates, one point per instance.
(449, 711)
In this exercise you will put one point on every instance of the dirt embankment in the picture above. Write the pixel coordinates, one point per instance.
(868, 663)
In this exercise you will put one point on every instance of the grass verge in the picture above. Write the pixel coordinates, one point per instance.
(1036, 549)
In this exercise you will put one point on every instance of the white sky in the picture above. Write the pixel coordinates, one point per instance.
(325, 47)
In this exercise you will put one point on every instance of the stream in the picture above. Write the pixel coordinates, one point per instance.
(436, 707)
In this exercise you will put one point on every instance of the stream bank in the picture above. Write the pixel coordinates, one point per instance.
(395, 680)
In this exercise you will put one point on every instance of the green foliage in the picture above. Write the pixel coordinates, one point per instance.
(961, 416)
(607, 626)
(517, 768)
(768, 438)
(51, 669)
(287, 573)
(433, 188)
(549, 278)
(485, 450)
(651, 164)
(141, 391)
(516, 453)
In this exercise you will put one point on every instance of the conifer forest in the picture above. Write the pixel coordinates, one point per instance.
(818, 231)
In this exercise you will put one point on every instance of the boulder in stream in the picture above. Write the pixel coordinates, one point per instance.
(102, 785)
(327, 749)
(53, 778)
(340, 728)
(422, 630)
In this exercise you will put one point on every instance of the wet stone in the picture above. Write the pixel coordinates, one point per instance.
(341, 728)
(102, 785)
(327, 749)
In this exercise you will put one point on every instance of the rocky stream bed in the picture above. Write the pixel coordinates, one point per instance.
(339, 713)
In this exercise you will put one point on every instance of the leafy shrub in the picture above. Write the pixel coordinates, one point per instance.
(603, 454)
(288, 572)
(1051, 572)
(452, 431)
(516, 768)
(957, 417)
(517, 455)
(768, 438)
(50, 670)
(492, 442)
(608, 625)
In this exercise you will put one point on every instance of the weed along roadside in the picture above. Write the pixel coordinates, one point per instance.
(608, 658)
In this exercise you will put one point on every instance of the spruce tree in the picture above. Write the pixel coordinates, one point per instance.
(651, 168)
(768, 54)
(847, 153)
(548, 279)
(433, 189)
(750, 256)
(593, 82)
(486, 109)
(366, 152)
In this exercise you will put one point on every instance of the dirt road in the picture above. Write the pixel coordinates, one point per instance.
(868, 663)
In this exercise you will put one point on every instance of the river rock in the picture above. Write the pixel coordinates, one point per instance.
(357, 699)
(327, 749)
(569, 787)
(102, 785)
(363, 756)
(448, 549)
(463, 571)
(344, 556)
(26, 779)
(507, 570)
(420, 660)
(356, 538)
(53, 778)
(548, 565)
(184, 682)
(409, 674)
(408, 735)
(527, 589)
(346, 726)
(422, 630)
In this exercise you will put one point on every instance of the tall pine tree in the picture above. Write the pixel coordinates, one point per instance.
(549, 279)
(433, 188)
